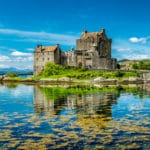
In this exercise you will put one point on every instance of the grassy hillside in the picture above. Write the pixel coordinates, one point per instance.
(135, 64)
(57, 71)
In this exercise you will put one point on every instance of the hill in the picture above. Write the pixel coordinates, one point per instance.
(128, 64)
(18, 71)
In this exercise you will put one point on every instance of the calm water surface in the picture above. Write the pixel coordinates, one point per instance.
(81, 117)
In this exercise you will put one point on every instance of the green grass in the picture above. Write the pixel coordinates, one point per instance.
(57, 71)
(54, 93)
(135, 64)
(12, 75)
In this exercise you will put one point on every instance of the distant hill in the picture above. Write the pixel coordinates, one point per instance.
(123, 60)
(18, 71)
(127, 64)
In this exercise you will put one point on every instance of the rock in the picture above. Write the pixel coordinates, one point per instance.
(64, 79)
(131, 79)
(99, 79)
(7, 78)
(2, 77)
(48, 79)
(111, 80)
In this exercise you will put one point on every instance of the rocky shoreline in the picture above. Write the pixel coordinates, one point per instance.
(98, 80)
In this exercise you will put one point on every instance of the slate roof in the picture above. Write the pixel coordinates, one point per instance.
(49, 48)
(90, 35)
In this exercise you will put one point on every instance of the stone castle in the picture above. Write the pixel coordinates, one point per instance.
(93, 51)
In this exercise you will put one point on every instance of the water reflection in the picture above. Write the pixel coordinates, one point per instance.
(74, 117)
(47, 100)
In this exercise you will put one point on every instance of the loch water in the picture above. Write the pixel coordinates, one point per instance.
(74, 117)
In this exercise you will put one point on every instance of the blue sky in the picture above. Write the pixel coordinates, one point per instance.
(26, 23)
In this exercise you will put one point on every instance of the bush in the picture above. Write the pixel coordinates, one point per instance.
(55, 70)
(144, 65)
(52, 69)
(12, 74)
(119, 74)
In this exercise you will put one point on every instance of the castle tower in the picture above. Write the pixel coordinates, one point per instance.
(44, 54)
(94, 50)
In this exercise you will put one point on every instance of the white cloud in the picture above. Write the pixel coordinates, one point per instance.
(18, 53)
(4, 66)
(4, 58)
(138, 40)
(40, 36)
(22, 59)
(30, 58)
(122, 49)
(18, 60)
(137, 56)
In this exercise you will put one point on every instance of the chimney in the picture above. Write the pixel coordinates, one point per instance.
(103, 30)
(57, 44)
(39, 47)
(84, 32)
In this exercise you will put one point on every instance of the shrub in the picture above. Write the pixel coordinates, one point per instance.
(12, 74)
(144, 65)
(119, 74)
(52, 69)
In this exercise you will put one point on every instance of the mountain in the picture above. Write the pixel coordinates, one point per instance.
(123, 60)
(6, 70)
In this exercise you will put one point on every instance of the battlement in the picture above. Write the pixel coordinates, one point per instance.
(93, 51)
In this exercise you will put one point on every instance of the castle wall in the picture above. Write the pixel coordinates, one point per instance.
(85, 44)
(40, 59)
(42, 56)
(57, 57)
(93, 52)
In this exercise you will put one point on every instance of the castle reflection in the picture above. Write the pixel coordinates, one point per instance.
(48, 99)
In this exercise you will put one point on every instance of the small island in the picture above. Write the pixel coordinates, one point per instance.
(90, 63)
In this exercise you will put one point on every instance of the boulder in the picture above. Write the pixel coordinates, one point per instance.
(7, 78)
(64, 79)
(1, 77)
(99, 79)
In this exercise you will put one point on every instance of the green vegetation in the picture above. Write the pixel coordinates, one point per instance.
(11, 85)
(57, 71)
(135, 64)
(56, 92)
(12, 74)
(143, 65)
(52, 69)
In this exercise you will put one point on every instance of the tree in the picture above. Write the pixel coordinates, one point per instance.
(52, 69)
(135, 66)
(12, 74)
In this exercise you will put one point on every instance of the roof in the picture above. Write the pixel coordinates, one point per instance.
(87, 35)
(49, 48)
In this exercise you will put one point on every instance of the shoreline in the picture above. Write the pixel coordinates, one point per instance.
(66, 80)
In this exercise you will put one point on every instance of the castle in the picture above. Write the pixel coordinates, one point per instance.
(93, 51)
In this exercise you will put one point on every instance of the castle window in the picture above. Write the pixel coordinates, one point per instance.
(88, 58)
(79, 53)
(37, 59)
(43, 59)
(47, 58)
